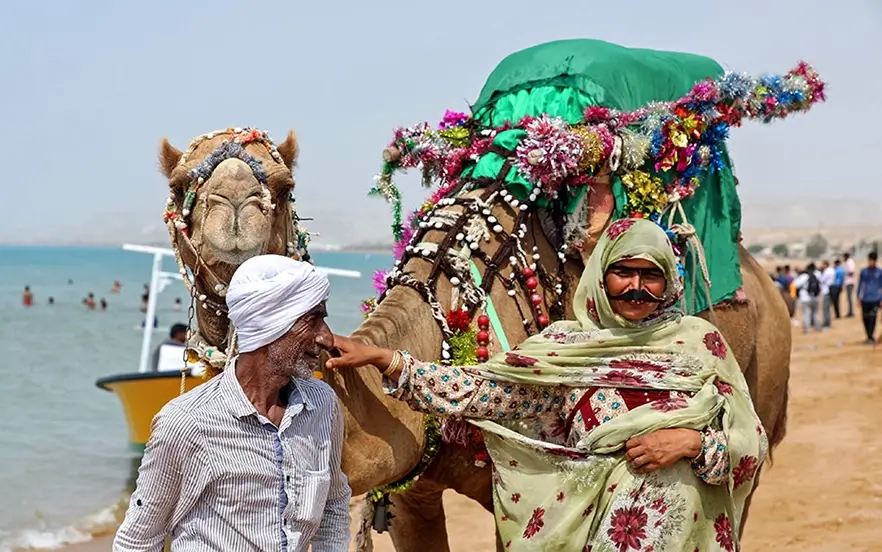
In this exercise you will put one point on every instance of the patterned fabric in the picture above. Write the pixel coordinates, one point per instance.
(580, 493)
(217, 476)
(544, 411)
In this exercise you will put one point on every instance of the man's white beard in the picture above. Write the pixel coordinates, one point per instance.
(303, 368)
(290, 361)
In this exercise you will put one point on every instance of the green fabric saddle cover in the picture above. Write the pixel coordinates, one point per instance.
(564, 77)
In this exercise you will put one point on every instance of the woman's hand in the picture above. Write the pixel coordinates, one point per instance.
(354, 353)
(662, 448)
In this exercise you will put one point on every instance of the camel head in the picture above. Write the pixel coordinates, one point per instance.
(229, 200)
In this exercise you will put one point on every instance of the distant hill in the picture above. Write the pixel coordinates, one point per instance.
(843, 223)
(847, 221)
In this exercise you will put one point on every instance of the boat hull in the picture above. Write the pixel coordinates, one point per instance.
(142, 395)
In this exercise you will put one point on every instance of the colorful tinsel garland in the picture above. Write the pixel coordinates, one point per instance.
(683, 138)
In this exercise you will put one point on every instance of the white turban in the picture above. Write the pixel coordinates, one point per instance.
(268, 294)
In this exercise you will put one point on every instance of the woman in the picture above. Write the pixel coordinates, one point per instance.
(648, 440)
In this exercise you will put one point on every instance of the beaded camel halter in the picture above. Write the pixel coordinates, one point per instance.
(177, 219)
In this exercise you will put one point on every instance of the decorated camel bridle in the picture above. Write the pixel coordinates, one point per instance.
(178, 224)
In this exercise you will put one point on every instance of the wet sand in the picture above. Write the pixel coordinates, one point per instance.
(824, 490)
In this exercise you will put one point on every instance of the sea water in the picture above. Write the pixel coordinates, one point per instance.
(65, 465)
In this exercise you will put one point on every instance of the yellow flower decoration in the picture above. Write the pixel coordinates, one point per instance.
(458, 137)
(646, 193)
(592, 149)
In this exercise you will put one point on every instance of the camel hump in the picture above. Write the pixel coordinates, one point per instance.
(590, 73)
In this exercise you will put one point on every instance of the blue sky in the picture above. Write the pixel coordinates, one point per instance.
(90, 88)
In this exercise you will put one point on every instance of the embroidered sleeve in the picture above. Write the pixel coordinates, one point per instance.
(456, 391)
(712, 466)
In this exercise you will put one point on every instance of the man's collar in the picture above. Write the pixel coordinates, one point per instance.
(239, 404)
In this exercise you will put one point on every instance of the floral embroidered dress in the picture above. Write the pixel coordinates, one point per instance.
(564, 484)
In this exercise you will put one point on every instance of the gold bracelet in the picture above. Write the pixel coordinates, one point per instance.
(397, 360)
(700, 454)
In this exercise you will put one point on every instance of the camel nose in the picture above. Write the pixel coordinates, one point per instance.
(234, 184)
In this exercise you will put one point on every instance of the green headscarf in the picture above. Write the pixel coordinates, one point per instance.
(553, 497)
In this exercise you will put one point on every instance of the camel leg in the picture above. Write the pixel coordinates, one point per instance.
(418, 523)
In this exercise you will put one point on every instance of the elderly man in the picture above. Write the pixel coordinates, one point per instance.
(251, 459)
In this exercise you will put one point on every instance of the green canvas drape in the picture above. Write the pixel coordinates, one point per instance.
(564, 77)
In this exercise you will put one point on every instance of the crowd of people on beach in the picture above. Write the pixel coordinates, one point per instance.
(818, 290)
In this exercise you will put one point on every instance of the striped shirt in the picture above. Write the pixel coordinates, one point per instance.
(218, 476)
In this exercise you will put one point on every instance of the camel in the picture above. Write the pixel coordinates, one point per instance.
(385, 446)
(221, 213)
(385, 443)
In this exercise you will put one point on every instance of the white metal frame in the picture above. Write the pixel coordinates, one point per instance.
(159, 280)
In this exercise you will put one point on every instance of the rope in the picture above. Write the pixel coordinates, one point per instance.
(687, 232)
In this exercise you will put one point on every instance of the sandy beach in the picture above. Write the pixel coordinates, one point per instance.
(823, 492)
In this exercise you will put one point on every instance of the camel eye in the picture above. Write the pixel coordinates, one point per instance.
(179, 183)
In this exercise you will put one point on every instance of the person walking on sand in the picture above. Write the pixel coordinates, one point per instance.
(869, 295)
(250, 460)
(836, 288)
(850, 272)
(828, 278)
(808, 286)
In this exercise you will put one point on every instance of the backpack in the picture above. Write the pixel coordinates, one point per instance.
(813, 286)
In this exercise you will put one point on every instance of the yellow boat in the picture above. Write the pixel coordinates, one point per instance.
(143, 393)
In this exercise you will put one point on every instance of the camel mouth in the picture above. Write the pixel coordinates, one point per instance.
(235, 255)
(234, 240)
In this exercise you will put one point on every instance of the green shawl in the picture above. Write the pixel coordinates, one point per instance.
(551, 497)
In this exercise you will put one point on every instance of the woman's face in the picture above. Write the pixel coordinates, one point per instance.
(635, 288)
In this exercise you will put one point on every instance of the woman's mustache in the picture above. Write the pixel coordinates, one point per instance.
(636, 295)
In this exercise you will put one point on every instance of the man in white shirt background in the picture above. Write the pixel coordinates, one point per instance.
(809, 285)
(828, 278)
(850, 273)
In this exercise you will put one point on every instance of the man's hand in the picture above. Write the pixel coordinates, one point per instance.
(353, 354)
(662, 448)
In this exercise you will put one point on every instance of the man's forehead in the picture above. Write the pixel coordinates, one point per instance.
(321, 308)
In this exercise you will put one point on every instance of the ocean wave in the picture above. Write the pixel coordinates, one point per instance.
(46, 538)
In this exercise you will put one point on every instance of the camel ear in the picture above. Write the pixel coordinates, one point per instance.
(289, 150)
(168, 157)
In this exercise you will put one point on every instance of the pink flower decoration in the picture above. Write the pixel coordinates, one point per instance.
(379, 281)
(453, 119)
(705, 91)
(596, 114)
